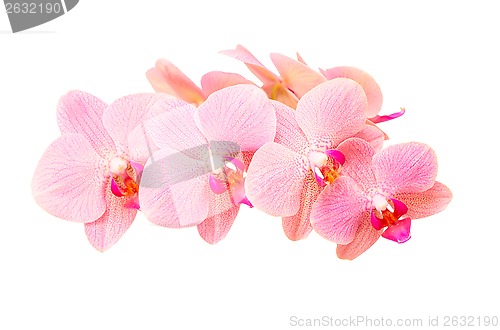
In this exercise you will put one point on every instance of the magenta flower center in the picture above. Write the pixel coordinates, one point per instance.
(230, 177)
(326, 166)
(388, 213)
(125, 176)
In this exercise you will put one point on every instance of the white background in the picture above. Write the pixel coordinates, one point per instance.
(440, 60)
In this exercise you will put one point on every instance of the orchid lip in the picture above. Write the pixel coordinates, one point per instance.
(217, 186)
(114, 188)
(336, 155)
(380, 119)
(398, 232)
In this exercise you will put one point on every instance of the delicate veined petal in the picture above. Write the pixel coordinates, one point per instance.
(167, 78)
(370, 86)
(298, 226)
(380, 119)
(80, 112)
(332, 112)
(174, 190)
(241, 114)
(296, 76)
(275, 179)
(365, 237)
(124, 116)
(172, 126)
(257, 68)
(398, 232)
(216, 226)
(288, 132)
(372, 134)
(338, 211)
(278, 92)
(405, 168)
(110, 227)
(358, 160)
(69, 182)
(217, 80)
(426, 203)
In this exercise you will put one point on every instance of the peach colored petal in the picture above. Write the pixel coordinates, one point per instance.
(296, 76)
(217, 80)
(358, 160)
(373, 135)
(167, 78)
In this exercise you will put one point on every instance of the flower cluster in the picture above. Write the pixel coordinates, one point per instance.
(303, 146)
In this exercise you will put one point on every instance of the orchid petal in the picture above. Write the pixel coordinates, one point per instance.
(370, 86)
(257, 68)
(288, 132)
(172, 126)
(275, 179)
(124, 116)
(405, 168)
(372, 134)
(174, 190)
(68, 182)
(298, 226)
(426, 203)
(332, 112)
(278, 92)
(217, 186)
(110, 227)
(300, 59)
(358, 160)
(215, 227)
(296, 76)
(365, 237)
(338, 211)
(240, 114)
(79, 112)
(167, 78)
(398, 232)
(337, 155)
(380, 119)
(217, 80)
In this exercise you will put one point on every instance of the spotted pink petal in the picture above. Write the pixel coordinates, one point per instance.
(240, 114)
(358, 160)
(110, 227)
(167, 78)
(365, 237)
(79, 112)
(288, 132)
(398, 232)
(172, 126)
(257, 68)
(126, 116)
(298, 226)
(217, 80)
(405, 168)
(338, 211)
(275, 179)
(68, 182)
(215, 227)
(174, 190)
(296, 76)
(332, 112)
(426, 203)
(372, 134)
(370, 86)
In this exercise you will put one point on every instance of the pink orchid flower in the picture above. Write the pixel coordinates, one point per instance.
(377, 195)
(286, 176)
(167, 78)
(295, 79)
(91, 173)
(198, 175)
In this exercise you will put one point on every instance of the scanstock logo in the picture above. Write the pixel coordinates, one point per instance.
(25, 14)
